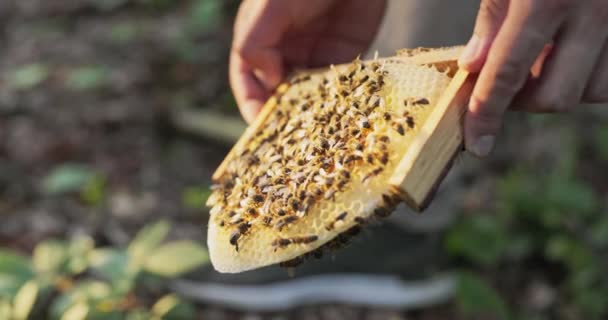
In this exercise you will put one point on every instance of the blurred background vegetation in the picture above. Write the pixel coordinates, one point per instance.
(108, 129)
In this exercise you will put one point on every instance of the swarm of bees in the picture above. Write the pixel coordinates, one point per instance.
(329, 134)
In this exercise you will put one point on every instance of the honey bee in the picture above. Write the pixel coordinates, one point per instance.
(285, 221)
(280, 243)
(292, 263)
(267, 220)
(409, 120)
(360, 220)
(345, 174)
(304, 240)
(388, 200)
(373, 174)
(340, 217)
(384, 158)
(399, 128)
(252, 212)
(382, 212)
(422, 101)
(370, 159)
(238, 233)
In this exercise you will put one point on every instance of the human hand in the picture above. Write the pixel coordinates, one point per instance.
(536, 56)
(273, 37)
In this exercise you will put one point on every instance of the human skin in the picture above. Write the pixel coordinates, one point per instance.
(274, 37)
(531, 55)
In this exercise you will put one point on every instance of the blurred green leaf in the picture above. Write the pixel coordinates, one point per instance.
(68, 178)
(15, 270)
(594, 303)
(176, 258)
(6, 308)
(480, 238)
(569, 251)
(571, 197)
(476, 298)
(78, 311)
(25, 300)
(87, 78)
(50, 256)
(195, 197)
(78, 251)
(114, 266)
(171, 307)
(520, 194)
(140, 315)
(85, 292)
(206, 14)
(94, 191)
(147, 239)
(29, 76)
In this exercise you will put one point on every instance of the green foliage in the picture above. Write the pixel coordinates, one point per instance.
(113, 265)
(88, 78)
(184, 256)
(6, 309)
(15, 270)
(476, 298)
(68, 178)
(50, 256)
(29, 76)
(76, 178)
(205, 14)
(147, 240)
(481, 238)
(172, 307)
(97, 283)
(94, 191)
(24, 300)
(195, 197)
(551, 214)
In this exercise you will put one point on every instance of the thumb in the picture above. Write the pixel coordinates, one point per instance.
(492, 14)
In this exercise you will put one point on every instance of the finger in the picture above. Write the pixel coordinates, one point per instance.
(519, 42)
(597, 88)
(566, 73)
(258, 31)
(538, 65)
(489, 19)
(249, 93)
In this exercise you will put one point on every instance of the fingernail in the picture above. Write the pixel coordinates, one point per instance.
(471, 51)
(483, 146)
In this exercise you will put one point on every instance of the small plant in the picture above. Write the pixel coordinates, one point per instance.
(553, 218)
(74, 280)
(28, 76)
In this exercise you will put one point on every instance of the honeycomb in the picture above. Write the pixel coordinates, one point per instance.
(318, 166)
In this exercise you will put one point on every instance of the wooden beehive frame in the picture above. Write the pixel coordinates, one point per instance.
(431, 154)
